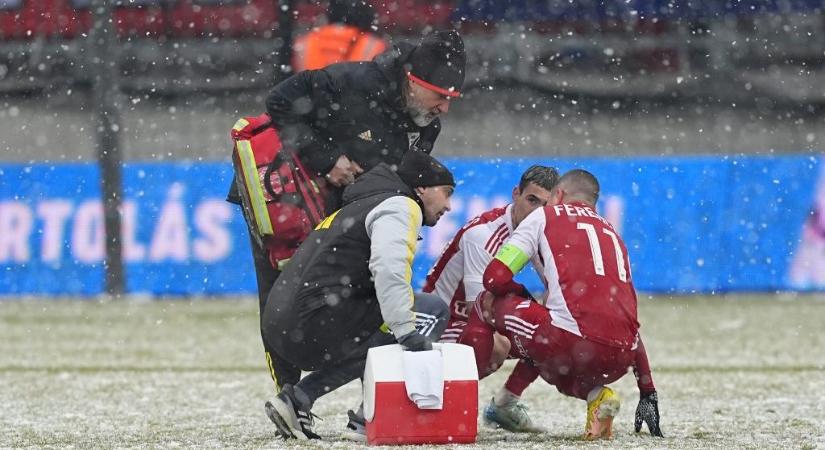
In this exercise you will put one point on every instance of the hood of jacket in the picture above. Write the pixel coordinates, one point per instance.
(391, 65)
(382, 179)
(391, 62)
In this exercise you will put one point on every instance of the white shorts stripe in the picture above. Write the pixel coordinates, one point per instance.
(521, 321)
(513, 325)
(524, 304)
(518, 331)
(517, 326)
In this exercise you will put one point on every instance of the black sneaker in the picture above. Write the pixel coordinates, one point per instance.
(356, 429)
(292, 421)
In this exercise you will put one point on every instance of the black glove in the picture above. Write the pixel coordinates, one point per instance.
(415, 342)
(648, 412)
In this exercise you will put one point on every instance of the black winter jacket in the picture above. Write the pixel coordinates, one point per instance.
(351, 108)
(327, 295)
(332, 265)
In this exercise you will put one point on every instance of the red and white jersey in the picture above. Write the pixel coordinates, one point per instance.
(586, 270)
(457, 274)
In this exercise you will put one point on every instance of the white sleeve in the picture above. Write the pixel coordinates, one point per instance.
(393, 228)
(476, 260)
(526, 235)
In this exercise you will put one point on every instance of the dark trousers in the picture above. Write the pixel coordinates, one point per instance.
(281, 371)
(336, 360)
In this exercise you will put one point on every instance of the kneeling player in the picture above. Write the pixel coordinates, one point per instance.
(456, 277)
(587, 335)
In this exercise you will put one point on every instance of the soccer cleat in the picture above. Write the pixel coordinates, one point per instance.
(600, 413)
(356, 429)
(512, 417)
(292, 421)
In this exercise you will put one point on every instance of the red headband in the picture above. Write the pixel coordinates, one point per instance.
(432, 87)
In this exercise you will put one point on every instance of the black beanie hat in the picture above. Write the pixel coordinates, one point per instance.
(438, 62)
(420, 169)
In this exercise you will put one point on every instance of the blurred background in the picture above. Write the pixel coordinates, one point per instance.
(703, 119)
(546, 76)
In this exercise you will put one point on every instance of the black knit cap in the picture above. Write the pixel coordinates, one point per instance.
(438, 62)
(420, 169)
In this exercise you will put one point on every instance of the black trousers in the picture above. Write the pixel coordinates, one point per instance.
(281, 371)
(334, 359)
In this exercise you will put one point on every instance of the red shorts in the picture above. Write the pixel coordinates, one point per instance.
(455, 326)
(573, 364)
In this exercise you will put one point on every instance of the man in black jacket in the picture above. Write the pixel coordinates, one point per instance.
(348, 117)
(351, 116)
(349, 277)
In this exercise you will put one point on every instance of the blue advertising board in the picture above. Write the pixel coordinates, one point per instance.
(691, 224)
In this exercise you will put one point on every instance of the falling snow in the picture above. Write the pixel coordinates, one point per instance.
(546, 79)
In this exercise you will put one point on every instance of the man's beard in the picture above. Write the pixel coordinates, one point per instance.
(432, 220)
(419, 116)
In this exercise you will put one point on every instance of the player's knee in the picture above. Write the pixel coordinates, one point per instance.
(527, 310)
(481, 339)
(432, 305)
(471, 336)
(501, 348)
(442, 311)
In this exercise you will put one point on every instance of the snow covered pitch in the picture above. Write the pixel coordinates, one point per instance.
(737, 372)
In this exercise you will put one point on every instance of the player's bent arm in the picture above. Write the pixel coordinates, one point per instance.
(514, 255)
(641, 369)
(647, 411)
(476, 259)
(393, 228)
(498, 279)
(293, 106)
(524, 242)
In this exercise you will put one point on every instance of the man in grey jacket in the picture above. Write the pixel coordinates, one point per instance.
(348, 286)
